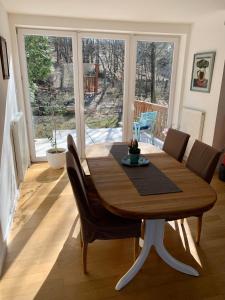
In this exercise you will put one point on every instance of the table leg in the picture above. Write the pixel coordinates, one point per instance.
(164, 254)
(154, 234)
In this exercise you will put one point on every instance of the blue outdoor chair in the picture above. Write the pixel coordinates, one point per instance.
(147, 122)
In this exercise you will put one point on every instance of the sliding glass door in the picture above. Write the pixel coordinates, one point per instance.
(103, 67)
(48, 60)
(154, 73)
(95, 86)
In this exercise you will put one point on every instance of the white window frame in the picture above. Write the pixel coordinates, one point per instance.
(107, 36)
(129, 78)
(23, 62)
(132, 80)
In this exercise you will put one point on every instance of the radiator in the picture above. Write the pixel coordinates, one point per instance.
(19, 144)
(192, 122)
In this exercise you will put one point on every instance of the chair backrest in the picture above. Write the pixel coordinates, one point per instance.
(203, 160)
(175, 143)
(148, 118)
(79, 189)
(73, 149)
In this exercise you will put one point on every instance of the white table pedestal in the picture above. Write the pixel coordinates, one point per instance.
(154, 235)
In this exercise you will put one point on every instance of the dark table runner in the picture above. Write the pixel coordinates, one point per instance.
(148, 180)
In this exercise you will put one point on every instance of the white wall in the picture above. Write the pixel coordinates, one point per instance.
(208, 34)
(35, 21)
(8, 108)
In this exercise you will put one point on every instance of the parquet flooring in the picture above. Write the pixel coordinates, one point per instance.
(44, 255)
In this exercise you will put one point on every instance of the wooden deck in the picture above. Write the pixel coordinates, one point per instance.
(44, 255)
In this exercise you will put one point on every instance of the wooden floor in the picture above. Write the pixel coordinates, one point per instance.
(44, 255)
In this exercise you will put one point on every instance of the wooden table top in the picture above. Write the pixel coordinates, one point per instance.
(121, 197)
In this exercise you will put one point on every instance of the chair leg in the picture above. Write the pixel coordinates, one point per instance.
(143, 229)
(81, 239)
(199, 229)
(139, 135)
(84, 256)
(136, 248)
(153, 139)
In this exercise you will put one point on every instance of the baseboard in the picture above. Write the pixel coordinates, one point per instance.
(3, 240)
(3, 252)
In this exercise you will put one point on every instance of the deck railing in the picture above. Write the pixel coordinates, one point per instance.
(162, 112)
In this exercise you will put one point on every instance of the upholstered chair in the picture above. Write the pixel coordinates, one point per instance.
(97, 223)
(71, 146)
(202, 160)
(175, 143)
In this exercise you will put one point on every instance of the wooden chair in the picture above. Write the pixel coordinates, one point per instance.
(175, 143)
(96, 221)
(202, 160)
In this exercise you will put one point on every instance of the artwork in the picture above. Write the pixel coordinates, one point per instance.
(202, 71)
(4, 58)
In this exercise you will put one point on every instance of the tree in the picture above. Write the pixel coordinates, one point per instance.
(153, 70)
(63, 49)
(39, 62)
(152, 87)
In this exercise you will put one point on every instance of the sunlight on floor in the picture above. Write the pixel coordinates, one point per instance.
(45, 260)
(191, 244)
(39, 232)
(186, 238)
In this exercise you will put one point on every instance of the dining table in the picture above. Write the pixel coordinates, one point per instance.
(120, 196)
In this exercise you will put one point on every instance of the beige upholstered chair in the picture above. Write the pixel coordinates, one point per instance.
(175, 143)
(202, 160)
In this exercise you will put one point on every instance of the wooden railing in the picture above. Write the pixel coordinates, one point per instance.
(162, 112)
(90, 84)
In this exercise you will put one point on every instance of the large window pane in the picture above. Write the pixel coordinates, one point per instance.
(153, 79)
(103, 69)
(51, 87)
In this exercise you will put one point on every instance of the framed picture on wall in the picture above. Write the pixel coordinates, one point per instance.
(202, 71)
(4, 58)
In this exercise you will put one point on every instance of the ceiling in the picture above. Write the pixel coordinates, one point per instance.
(176, 11)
